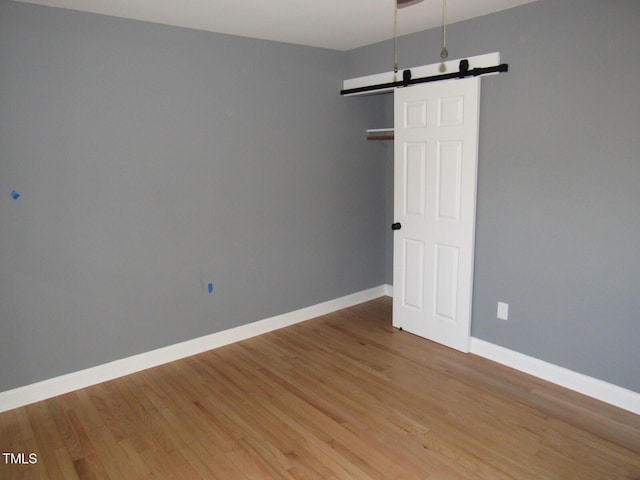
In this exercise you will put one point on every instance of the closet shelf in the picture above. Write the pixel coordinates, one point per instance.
(379, 134)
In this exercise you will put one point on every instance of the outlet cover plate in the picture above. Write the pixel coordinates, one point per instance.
(503, 311)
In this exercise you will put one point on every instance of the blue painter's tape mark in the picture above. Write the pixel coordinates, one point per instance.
(210, 288)
(15, 195)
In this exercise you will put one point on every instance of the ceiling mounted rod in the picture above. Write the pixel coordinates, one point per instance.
(407, 80)
(444, 53)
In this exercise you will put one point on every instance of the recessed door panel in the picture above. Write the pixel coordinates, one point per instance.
(449, 179)
(414, 178)
(446, 282)
(414, 274)
(415, 114)
(451, 111)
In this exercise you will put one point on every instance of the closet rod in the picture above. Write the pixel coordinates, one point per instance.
(407, 80)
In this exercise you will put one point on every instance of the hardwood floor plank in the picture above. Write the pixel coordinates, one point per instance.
(343, 396)
(65, 463)
(113, 458)
(46, 441)
(211, 463)
(136, 466)
(179, 466)
(90, 467)
(70, 440)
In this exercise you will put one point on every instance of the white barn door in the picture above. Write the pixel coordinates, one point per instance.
(435, 178)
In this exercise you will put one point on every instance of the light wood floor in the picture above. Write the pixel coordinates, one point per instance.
(344, 396)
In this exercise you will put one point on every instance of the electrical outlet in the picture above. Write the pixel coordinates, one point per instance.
(503, 311)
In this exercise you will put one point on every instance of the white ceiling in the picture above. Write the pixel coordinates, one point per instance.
(334, 24)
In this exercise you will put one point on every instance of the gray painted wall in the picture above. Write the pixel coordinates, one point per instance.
(558, 220)
(152, 160)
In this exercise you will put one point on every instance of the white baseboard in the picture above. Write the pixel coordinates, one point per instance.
(603, 391)
(91, 376)
(578, 382)
(606, 392)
